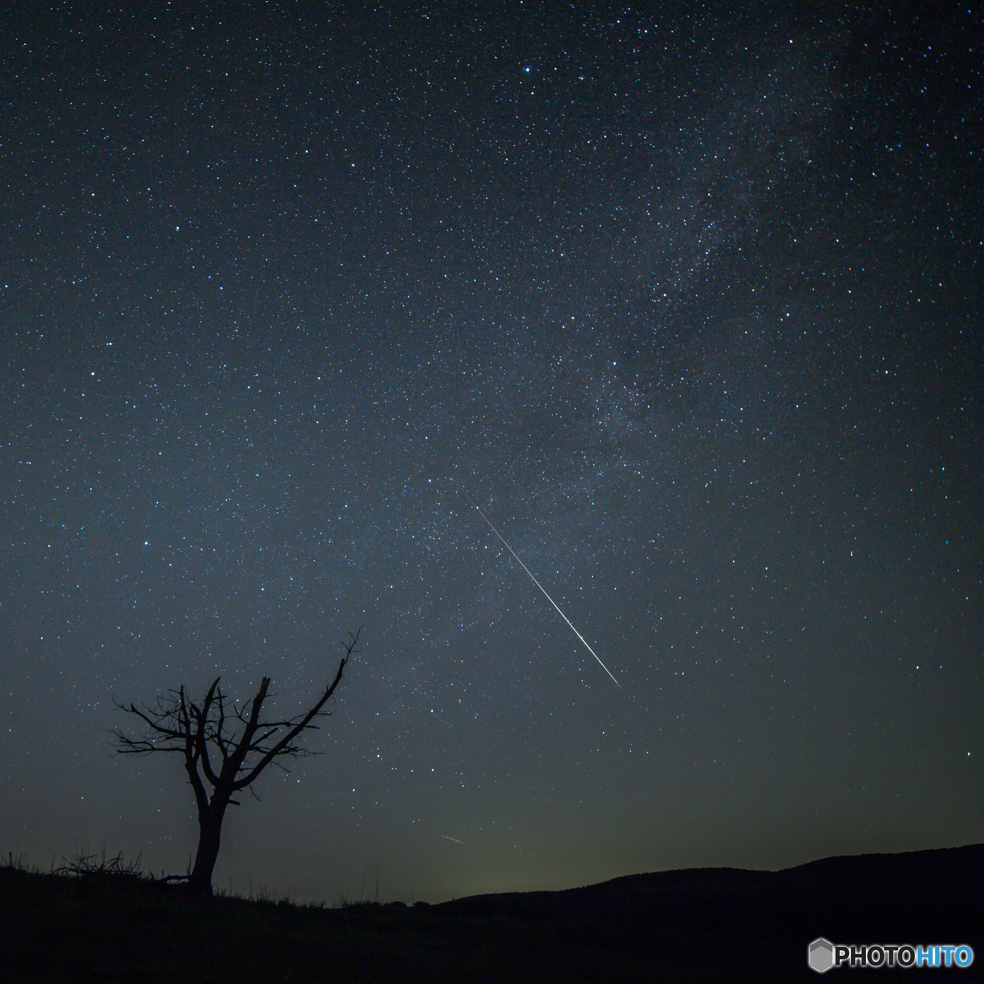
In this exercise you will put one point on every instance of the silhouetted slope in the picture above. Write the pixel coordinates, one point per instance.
(917, 897)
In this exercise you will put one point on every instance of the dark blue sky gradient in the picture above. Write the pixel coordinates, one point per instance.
(687, 299)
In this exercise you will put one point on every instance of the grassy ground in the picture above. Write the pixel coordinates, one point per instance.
(107, 923)
(88, 928)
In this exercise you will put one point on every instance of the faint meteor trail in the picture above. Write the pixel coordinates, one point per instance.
(545, 595)
(455, 839)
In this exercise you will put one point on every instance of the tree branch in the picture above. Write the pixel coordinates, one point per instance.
(175, 724)
(283, 747)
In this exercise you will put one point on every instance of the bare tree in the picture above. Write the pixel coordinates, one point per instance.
(225, 749)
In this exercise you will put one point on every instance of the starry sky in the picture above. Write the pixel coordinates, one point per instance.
(686, 298)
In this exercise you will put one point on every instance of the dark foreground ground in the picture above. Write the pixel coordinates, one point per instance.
(700, 925)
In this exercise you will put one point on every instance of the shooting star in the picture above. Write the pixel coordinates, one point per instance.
(545, 595)
(455, 839)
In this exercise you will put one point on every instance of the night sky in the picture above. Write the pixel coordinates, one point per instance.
(686, 298)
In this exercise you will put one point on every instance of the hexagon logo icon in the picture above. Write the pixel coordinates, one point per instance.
(821, 955)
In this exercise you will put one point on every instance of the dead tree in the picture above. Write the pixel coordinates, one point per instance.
(225, 749)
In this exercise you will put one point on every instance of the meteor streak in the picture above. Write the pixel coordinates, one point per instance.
(545, 595)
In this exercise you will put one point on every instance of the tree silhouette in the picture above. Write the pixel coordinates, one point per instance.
(217, 754)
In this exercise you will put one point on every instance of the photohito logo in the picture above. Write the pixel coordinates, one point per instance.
(823, 955)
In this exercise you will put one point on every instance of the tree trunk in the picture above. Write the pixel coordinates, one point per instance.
(210, 825)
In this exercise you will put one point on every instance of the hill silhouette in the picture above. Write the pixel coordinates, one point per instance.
(768, 918)
(916, 891)
(692, 926)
